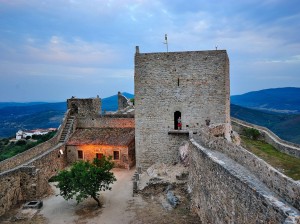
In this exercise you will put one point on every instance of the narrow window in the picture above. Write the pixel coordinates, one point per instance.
(177, 120)
(178, 82)
(116, 155)
(99, 155)
(80, 154)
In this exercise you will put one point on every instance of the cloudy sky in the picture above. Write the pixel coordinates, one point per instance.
(51, 50)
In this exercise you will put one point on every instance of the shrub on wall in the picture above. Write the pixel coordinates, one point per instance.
(251, 133)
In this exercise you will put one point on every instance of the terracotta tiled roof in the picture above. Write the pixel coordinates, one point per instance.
(102, 136)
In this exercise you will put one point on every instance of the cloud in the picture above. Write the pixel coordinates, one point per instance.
(95, 39)
(56, 50)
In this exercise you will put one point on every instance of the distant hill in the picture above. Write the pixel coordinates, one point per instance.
(15, 116)
(11, 104)
(43, 115)
(286, 126)
(30, 116)
(283, 100)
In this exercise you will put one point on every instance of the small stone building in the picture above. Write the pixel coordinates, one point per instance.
(86, 144)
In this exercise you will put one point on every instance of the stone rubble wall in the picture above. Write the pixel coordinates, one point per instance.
(221, 193)
(35, 151)
(105, 122)
(30, 181)
(10, 189)
(279, 183)
(269, 137)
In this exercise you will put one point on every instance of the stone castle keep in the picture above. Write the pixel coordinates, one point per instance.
(181, 99)
(190, 85)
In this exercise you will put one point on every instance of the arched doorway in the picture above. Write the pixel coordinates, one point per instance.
(177, 114)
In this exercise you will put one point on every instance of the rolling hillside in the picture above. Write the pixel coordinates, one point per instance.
(15, 116)
(283, 100)
(286, 126)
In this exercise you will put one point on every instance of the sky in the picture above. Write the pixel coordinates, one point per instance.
(51, 50)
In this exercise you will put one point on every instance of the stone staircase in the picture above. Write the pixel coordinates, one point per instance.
(67, 129)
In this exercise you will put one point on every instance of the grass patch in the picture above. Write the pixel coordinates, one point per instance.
(286, 164)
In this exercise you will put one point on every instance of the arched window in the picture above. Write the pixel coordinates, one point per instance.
(177, 115)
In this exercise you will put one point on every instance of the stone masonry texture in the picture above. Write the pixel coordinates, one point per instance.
(84, 107)
(194, 83)
(223, 191)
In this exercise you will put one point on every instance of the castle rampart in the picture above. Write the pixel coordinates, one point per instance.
(223, 191)
(25, 156)
(269, 137)
(30, 181)
(277, 182)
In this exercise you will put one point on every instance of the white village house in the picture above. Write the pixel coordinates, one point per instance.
(23, 134)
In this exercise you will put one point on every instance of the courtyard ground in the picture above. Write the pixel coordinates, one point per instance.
(118, 206)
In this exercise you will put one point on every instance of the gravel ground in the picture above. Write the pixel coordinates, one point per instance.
(118, 206)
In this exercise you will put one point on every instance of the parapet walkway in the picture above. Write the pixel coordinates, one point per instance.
(28, 162)
(253, 182)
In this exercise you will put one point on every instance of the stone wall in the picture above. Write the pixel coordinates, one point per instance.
(30, 181)
(224, 192)
(268, 136)
(25, 176)
(193, 83)
(105, 122)
(131, 154)
(277, 182)
(84, 107)
(33, 152)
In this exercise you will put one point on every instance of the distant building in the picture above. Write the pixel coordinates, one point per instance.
(23, 134)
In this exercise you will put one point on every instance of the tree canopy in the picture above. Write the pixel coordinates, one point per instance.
(86, 179)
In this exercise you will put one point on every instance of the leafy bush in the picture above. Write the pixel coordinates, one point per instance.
(21, 142)
(86, 179)
(252, 133)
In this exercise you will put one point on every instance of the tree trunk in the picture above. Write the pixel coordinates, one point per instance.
(96, 199)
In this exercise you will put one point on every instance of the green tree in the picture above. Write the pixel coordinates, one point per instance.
(251, 133)
(86, 179)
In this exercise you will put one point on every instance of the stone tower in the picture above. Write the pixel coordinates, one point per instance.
(191, 85)
(84, 107)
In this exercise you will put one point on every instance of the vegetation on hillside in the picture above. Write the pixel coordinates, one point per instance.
(286, 126)
(9, 149)
(86, 179)
(286, 164)
(251, 133)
